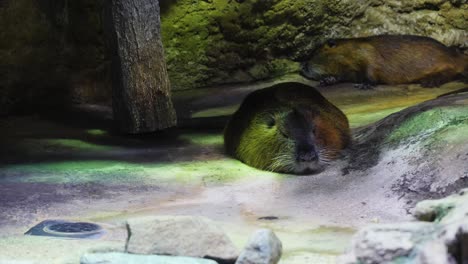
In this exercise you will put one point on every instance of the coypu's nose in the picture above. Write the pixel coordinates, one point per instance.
(306, 155)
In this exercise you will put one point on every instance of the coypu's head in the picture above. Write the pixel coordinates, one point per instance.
(334, 58)
(292, 136)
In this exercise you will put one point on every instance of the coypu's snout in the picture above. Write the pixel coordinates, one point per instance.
(301, 128)
(306, 154)
(307, 159)
(308, 72)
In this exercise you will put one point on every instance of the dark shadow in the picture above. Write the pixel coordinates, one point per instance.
(165, 5)
(171, 145)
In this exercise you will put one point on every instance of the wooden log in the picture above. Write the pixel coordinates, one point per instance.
(141, 88)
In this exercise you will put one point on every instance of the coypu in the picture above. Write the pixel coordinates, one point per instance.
(289, 127)
(386, 59)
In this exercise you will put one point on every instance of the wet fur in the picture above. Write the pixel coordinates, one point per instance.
(248, 138)
(390, 59)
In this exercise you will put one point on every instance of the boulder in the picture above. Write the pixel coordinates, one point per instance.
(263, 248)
(386, 242)
(446, 210)
(124, 258)
(422, 149)
(179, 236)
(441, 238)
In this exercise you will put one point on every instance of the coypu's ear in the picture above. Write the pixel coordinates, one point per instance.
(331, 43)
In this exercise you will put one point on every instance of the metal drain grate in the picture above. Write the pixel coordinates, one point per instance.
(65, 229)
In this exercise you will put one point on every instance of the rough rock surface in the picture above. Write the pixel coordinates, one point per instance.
(124, 258)
(217, 42)
(444, 240)
(425, 147)
(179, 236)
(263, 248)
(222, 42)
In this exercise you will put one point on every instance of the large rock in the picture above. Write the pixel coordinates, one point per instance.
(384, 243)
(263, 248)
(179, 236)
(423, 148)
(224, 41)
(445, 211)
(124, 258)
(444, 241)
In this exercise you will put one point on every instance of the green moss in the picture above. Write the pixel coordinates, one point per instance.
(454, 135)
(104, 171)
(432, 122)
(60, 145)
(96, 132)
(75, 144)
(185, 30)
(217, 111)
(203, 139)
(220, 42)
(365, 118)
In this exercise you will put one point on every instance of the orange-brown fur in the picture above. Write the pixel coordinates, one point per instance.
(389, 59)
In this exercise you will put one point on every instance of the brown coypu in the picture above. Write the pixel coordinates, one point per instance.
(387, 59)
(289, 127)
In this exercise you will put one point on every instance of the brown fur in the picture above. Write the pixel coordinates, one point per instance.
(248, 137)
(388, 59)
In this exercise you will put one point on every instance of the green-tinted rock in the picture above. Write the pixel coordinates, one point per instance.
(434, 123)
(123, 258)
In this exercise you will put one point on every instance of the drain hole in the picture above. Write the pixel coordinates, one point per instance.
(79, 227)
(65, 229)
(269, 218)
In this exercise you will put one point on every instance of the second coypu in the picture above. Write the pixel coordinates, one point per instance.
(387, 59)
(289, 127)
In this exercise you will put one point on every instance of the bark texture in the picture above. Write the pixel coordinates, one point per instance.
(141, 89)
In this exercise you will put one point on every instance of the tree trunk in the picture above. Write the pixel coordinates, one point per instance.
(141, 88)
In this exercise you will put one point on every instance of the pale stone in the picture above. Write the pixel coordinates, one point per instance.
(434, 252)
(179, 236)
(442, 239)
(263, 247)
(383, 243)
(124, 258)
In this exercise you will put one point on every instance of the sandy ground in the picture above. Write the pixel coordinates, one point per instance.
(70, 165)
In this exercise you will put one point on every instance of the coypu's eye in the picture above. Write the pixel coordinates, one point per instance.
(331, 43)
(271, 122)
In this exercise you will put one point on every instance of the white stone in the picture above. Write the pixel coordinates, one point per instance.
(385, 242)
(417, 242)
(434, 252)
(179, 236)
(263, 247)
(124, 258)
